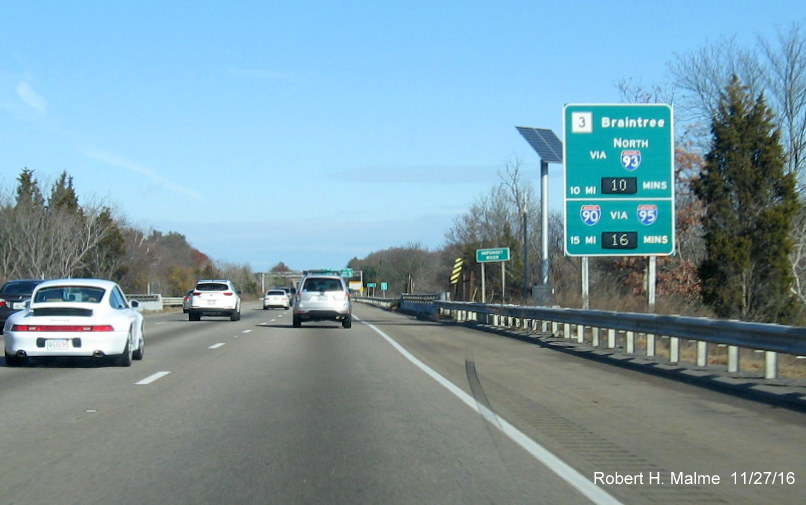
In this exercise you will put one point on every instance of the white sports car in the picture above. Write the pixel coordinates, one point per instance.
(76, 317)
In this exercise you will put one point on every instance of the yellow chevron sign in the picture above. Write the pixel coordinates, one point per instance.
(457, 270)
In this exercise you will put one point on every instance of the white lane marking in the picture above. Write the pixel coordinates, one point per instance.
(152, 378)
(581, 483)
(216, 346)
(246, 331)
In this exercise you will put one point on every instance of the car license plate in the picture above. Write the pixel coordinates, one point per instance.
(18, 306)
(211, 302)
(60, 344)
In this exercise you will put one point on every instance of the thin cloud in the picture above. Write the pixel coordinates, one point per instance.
(31, 98)
(154, 177)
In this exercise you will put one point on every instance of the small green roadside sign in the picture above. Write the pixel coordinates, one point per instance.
(490, 255)
(619, 180)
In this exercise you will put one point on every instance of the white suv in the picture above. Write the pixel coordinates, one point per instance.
(322, 297)
(214, 298)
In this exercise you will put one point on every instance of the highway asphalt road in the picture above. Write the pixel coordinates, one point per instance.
(391, 411)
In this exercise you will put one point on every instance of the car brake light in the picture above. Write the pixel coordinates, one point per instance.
(196, 293)
(3, 303)
(65, 328)
(228, 293)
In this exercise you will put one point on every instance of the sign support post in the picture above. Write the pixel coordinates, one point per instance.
(483, 286)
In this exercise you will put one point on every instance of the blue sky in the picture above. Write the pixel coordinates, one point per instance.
(314, 132)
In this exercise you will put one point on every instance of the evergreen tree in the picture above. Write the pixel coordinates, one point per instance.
(63, 196)
(750, 203)
(106, 259)
(29, 196)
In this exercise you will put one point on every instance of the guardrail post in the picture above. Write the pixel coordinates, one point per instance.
(650, 344)
(770, 364)
(567, 330)
(595, 336)
(554, 327)
(702, 353)
(611, 338)
(580, 334)
(630, 342)
(733, 359)
(674, 349)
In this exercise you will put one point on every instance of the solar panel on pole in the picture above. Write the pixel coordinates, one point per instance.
(544, 142)
(550, 150)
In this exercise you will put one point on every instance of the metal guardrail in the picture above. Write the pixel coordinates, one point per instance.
(384, 303)
(156, 301)
(417, 304)
(772, 339)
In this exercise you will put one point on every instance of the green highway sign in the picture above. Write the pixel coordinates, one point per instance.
(619, 180)
(490, 255)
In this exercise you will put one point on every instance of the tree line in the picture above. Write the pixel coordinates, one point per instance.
(48, 234)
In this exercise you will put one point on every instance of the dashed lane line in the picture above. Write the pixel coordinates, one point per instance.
(152, 378)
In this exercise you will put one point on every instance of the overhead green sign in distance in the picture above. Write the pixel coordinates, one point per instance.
(619, 180)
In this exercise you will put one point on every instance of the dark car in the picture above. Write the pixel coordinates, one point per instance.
(186, 302)
(13, 296)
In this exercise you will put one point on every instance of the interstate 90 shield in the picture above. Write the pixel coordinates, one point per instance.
(590, 214)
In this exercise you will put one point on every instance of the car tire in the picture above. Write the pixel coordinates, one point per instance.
(140, 351)
(194, 316)
(235, 316)
(347, 322)
(297, 322)
(13, 360)
(124, 359)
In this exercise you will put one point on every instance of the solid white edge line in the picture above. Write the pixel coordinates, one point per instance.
(152, 378)
(216, 346)
(581, 483)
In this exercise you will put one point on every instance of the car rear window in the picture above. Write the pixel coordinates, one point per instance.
(212, 286)
(276, 293)
(20, 287)
(70, 294)
(322, 285)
